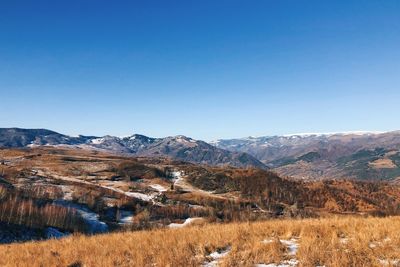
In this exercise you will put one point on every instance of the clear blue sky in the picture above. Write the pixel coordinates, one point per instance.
(206, 69)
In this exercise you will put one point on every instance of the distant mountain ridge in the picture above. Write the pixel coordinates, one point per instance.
(17, 137)
(354, 155)
(358, 155)
(177, 147)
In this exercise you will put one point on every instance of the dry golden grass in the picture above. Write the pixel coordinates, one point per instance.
(338, 241)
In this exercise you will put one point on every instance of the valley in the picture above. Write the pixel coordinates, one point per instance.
(87, 191)
(83, 194)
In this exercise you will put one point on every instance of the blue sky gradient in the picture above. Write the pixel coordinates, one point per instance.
(206, 69)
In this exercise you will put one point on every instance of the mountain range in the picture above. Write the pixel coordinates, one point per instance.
(357, 155)
(176, 147)
(351, 155)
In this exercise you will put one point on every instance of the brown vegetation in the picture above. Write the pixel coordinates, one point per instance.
(100, 181)
(22, 211)
(337, 242)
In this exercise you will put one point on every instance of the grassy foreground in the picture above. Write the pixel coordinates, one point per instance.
(339, 241)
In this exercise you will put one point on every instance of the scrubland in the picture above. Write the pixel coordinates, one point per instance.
(249, 217)
(334, 241)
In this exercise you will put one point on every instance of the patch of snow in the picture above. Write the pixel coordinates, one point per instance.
(91, 218)
(285, 263)
(195, 206)
(97, 141)
(158, 187)
(113, 189)
(391, 262)
(214, 142)
(138, 195)
(180, 225)
(216, 257)
(292, 246)
(125, 217)
(67, 192)
(267, 241)
(375, 244)
(184, 139)
(141, 196)
(177, 174)
(181, 140)
(72, 136)
(32, 145)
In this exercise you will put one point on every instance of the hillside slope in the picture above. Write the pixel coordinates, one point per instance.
(365, 156)
(92, 191)
(312, 242)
